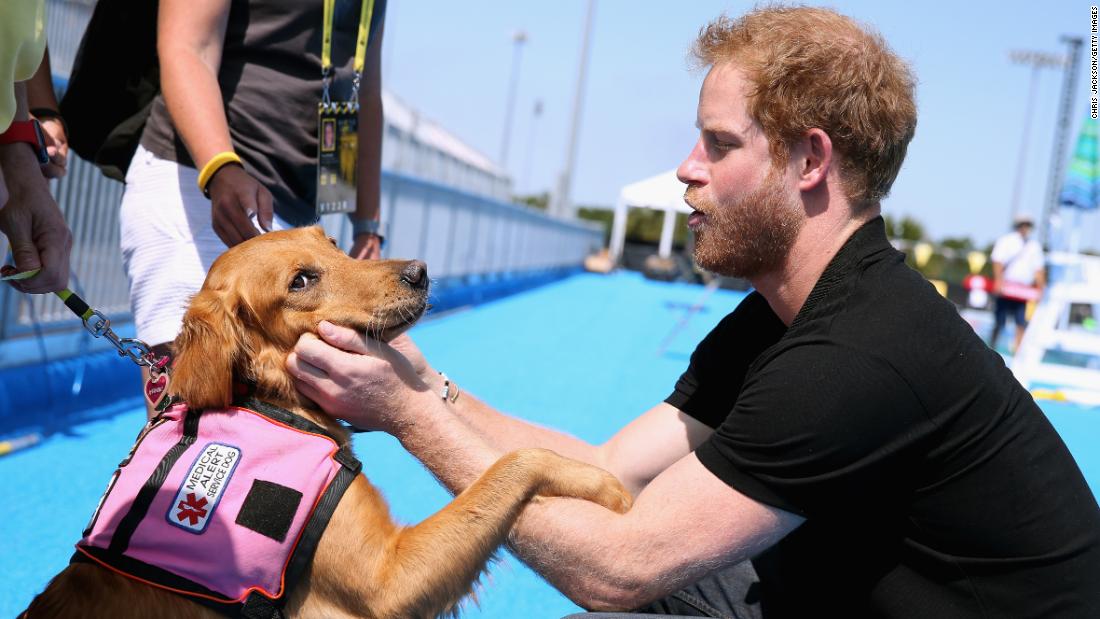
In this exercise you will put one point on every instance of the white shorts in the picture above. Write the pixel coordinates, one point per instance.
(167, 241)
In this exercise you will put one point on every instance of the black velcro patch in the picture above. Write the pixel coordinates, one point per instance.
(269, 509)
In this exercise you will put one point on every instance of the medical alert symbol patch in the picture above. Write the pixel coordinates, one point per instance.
(203, 487)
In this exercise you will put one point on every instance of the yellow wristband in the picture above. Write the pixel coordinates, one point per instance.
(216, 163)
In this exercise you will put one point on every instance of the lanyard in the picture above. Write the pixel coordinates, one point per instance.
(365, 12)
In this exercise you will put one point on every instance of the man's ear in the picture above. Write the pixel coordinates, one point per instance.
(209, 350)
(814, 156)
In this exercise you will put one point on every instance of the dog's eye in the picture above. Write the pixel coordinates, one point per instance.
(302, 280)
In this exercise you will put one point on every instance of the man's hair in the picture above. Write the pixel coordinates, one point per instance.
(811, 67)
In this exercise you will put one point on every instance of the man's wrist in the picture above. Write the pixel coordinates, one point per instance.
(368, 225)
(418, 410)
(21, 167)
(27, 133)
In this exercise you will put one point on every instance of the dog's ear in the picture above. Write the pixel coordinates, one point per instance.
(209, 350)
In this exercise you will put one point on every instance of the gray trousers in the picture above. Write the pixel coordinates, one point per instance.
(731, 593)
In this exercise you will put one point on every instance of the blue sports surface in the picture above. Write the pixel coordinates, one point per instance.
(582, 355)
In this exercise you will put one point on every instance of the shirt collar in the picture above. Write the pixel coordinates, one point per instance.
(865, 242)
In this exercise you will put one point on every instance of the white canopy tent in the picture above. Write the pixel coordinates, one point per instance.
(663, 192)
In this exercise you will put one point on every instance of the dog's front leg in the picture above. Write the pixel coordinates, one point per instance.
(430, 567)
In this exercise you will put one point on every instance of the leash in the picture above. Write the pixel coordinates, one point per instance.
(99, 325)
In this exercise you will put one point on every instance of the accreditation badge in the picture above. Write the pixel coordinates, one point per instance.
(337, 157)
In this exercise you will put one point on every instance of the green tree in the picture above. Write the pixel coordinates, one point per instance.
(541, 201)
(909, 229)
(958, 243)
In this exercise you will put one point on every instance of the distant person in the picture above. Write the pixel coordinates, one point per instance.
(29, 216)
(230, 149)
(843, 428)
(1019, 276)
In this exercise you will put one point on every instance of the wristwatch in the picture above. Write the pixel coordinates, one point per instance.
(367, 226)
(28, 131)
(364, 226)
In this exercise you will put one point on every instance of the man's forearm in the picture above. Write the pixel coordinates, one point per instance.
(369, 184)
(598, 558)
(189, 45)
(506, 433)
(557, 541)
(451, 449)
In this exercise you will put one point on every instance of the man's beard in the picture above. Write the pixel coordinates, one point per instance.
(750, 236)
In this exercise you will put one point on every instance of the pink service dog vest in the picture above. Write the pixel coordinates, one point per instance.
(223, 506)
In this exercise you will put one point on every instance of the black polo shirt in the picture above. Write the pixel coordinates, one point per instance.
(931, 483)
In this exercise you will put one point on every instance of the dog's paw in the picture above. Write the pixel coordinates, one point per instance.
(612, 494)
(566, 477)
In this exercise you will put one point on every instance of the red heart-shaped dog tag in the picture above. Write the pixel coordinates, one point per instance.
(156, 388)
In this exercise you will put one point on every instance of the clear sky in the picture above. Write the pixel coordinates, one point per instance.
(452, 61)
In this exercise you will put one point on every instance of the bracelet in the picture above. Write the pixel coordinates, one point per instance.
(47, 113)
(216, 163)
(450, 390)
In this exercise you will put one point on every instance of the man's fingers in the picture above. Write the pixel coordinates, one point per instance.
(311, 392)
(343, 338)
(55, 270)
(225, 231)
(265, 209)
(307, 378)
(317, 354)
(304, 371)
(241, 214)
(25, 256)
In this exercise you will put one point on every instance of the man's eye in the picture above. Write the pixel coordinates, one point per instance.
(717, 144)
(302, 280)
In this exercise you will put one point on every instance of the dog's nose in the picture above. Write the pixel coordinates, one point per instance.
(415, 274)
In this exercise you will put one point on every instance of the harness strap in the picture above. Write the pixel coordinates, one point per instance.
(259, 606)
(307, 544)
(120, 541)
(134, 568)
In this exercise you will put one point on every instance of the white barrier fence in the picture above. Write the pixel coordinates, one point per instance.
(463, 237)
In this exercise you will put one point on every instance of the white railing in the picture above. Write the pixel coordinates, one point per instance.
(462, 236)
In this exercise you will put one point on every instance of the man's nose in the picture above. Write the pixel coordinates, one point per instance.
(415, 274)
(693, 169)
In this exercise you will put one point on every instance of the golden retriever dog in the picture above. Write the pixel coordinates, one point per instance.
(258, 298)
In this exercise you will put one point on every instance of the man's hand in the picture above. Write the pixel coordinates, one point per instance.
(57, 145)
(33, 223)
(360, 380)
(234, 198)
(366, 247)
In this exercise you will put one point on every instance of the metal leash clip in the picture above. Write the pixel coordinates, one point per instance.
(156, 385)
(138, 351)
(100, 326)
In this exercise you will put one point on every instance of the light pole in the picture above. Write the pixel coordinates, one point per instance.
(1069, 84)
(1037, 61)
(561, 204)
(519, 37)
(535, 115)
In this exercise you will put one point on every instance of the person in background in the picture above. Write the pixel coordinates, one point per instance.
(39, 239)
(843, 428)
(1019, 276)
(230, 149)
